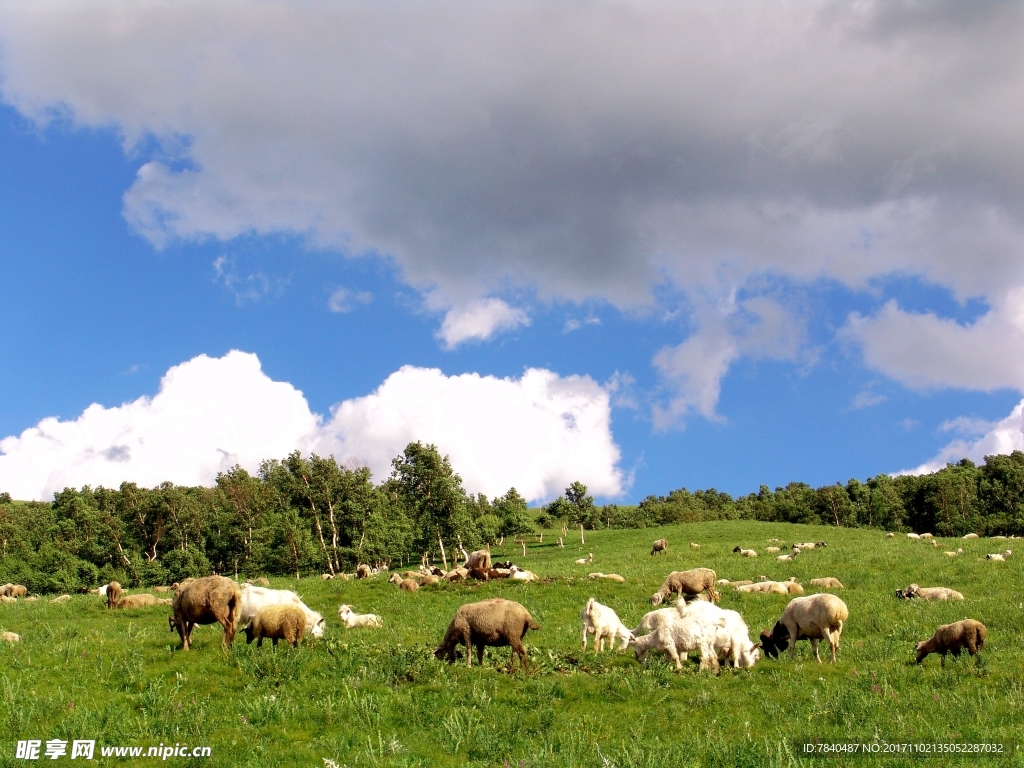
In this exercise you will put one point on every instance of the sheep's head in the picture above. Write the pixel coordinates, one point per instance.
(656, 598)
(344, 611)
(775, 641)
(250, 633)
(451, 653)
(922, 650)
(736, 549)
(319, 627)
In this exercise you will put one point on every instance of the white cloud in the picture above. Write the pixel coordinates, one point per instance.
(343, 299)
(479, 321)
(866, 399)
(1002, 437)
(574, 324)
(538, 433)
(246, 288)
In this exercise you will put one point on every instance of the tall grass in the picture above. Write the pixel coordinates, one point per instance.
(379, 698)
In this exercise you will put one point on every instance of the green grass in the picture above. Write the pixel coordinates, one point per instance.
(378, 697)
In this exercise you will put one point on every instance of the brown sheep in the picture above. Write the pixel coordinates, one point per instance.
(953, 638)
(495, 622)
(262, 581)
(162, 589)
(691, 582)
(409, 585)
(661, 545)
(113, 594)
(16, 590)
(828, 582)
(480, 559)
(429, 580)
(363, 571)
(205, 601)
(277, 622)
(137, 601)
(479, 574)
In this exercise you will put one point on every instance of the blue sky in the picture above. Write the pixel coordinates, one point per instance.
(716, 292)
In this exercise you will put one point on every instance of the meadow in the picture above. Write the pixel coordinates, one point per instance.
(379, 698)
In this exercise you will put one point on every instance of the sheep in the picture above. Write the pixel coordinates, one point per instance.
(816, 617)
(609, 576)
(792, 587)
(653, 620)
(926, 536)
(100, 591)
(675, 633)
(351, 619)
(16, 590)
(772, 550)
(522, 575)
(694, 545)
(601, 622)
(953, 638)
(430, 579)
(31, 599)
(740, 583)
(262, 581)
(205, 601)
(10, 637)
(828, 582)
(970, 536)
(363, 571)
(8, 599)
(586, 560)
(408, 585)
(113, 594)
(691, 582)
(787, 558)
(457, 574)
(277, 622)
(997, 538)
(661, 545)
(1001, 557)
(959, 551)
(931, 593)
(732, 641)
(746, 552)
(481, 558)
(765, 587)
(495, 622)
(178, 586)
(890, 535)
(326, 576)
(162, 589)
(913, 536)
(136, 601)
(255, 598)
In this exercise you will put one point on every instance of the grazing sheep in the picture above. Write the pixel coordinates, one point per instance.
(953, 638)
(481, 558)
(609, 576)
(661, 545)
(255, 598)
(276, 622)
(675, 633)
(211, 599)
(16, 590)
(10, 637)
(926, 536)
(363, 571)
(772, 550)
(815, 617)
(326, 576)
(137, 601)
(746, 552)
(601, 622)
(691, 582)
(8, 599)
(732, 641)
(351, 619)
(913, 536)
(959, 551)
(430, 579)
(409, 585)
(828, 582)
(890, 535)
(931, 593)
(997, 538)
(694, 545)
(792, 587)
(653, 620)
(62, 599)
(113, 594)
(495, 622)
(586, 560)
(970, 536)
(1001, 557)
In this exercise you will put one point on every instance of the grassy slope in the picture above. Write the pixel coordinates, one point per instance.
(377, 697)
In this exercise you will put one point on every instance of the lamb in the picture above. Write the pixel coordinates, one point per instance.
(351, 619)
(408, 585)
(277, 622)
(586, 560)
(431, 579)
(495, 622)
(931, 593)
(113, 594)
(746, 552)
(787, 558)
(890, 535)
(828, 582)
(62, 599)
(255, 598)
(10, 637)
(481, 559)
(913, 536)
(653, 620)
(959, 551)
(8, 599)
(926, 536)
(953, 638)
(970, 536)
(137, 601)
(522, 575)
(601, 622)
(732, 641)
(609, 576)
(694, 545)
(772, 550)
(1001, 557)
(676, 633)
(205, 601)
(661, 545)
(262, 581)
(816, 617)
(691, 582)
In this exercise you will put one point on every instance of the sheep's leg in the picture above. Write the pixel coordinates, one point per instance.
(971, 647)
(517, 650)
(814, 647)
(467, 641)
(274, 641)
(584, 637)
(672, 653)
(943, 659)
(479, 654)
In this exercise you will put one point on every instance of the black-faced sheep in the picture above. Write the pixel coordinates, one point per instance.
(661, 545)
(363, 571)
(691, 582)
(929, 593)
(815, 617)
(495, 622)
(276, 622)
(746, 552)
(211, 599)
(953, 638)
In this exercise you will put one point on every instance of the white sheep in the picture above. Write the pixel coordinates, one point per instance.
(932, 593)
(608, 576)
(786, 558)
(913, 536)
(772, 550)
(970, 536)
(926, 536)
(959, 551)
(890, 535)
(10, 637)
(746, 552)
(254, 598)
(675, 633)
(732, 640)
(815, 617)
(1001, 557)
(351, 619)
(653, 619)
(694, 545)
(586, 560)
(601, 622)
(522, 575)
(765, 587)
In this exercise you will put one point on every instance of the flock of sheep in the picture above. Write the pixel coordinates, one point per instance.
(694, 623)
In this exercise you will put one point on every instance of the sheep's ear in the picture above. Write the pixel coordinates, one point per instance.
(755, 646)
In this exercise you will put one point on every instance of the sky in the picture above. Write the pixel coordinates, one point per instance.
(643, 245)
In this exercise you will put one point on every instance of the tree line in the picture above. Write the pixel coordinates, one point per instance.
(310, 515)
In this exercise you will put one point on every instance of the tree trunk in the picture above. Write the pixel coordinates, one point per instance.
(444, 558)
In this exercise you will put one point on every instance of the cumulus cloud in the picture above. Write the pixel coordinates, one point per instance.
(538, 433)
(577, 149)
(479, 321)
(1002, 437)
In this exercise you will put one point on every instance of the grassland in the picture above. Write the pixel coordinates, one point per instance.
(378, 697)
